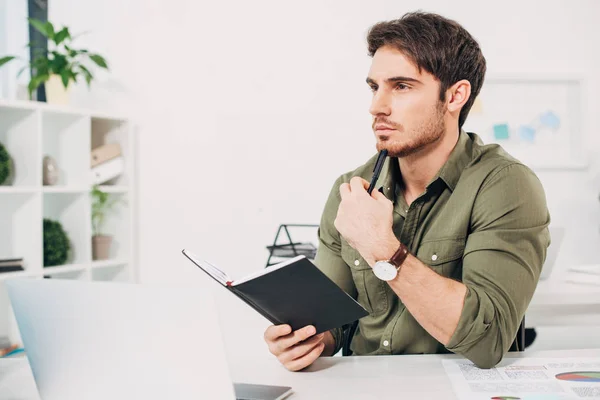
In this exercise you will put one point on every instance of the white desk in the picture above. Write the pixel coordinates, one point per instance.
(559, 303)
(365, 378)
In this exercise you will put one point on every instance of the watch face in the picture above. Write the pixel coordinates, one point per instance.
(384, 270)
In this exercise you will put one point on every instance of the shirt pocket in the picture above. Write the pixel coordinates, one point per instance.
(443, 255)
(371, 291)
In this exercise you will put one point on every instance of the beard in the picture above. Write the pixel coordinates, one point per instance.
(410, 142)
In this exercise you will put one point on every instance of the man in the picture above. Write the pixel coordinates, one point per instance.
(463, 225)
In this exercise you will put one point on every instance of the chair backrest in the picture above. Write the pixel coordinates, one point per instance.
(517, 345)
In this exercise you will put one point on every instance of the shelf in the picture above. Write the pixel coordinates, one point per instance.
(72, 210)
(62, 269)
(21, 228)
(79, 189)
(20, 105)
(59, 269)
(19, 134)
(64, 189)
(18, 274)
(18, 189)
(108, 263)
(112, 273)
(114, 188)
(30, 130)
(60, 135)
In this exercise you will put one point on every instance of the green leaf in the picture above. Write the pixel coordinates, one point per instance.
(6, 59)
(21, 71)
(45, 28)
(50, 29)
(36, 81)
(62, 35)
(87, 74)
(58, 63)
(99, 60)
(72, 52)
(65, 75)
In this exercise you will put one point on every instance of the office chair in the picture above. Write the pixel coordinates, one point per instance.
(349, 331)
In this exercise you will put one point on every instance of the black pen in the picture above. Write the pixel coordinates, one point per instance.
(377, 169)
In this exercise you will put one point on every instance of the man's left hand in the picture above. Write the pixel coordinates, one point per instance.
(365, 221)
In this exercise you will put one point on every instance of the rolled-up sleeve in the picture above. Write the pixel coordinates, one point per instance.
(329, 258)
(502, 262)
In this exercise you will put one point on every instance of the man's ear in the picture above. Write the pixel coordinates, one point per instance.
(458, 94)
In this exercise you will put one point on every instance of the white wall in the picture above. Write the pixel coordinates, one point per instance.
(248, 111)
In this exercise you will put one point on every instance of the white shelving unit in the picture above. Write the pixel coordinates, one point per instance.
(31, 130)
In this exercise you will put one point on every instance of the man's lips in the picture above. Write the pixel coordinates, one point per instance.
(383, 128)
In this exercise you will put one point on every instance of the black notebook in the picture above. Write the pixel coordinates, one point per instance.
(293, 292)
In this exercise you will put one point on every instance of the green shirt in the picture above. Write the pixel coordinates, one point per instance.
(482, 220)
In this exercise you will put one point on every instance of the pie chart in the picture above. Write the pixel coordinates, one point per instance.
(580, 376)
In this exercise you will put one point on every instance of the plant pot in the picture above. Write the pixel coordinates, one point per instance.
(101, 247)
(56, 92)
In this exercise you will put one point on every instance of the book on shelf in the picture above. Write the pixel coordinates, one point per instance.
(11, 264)
(108, 170)
(104, 153)
(293, 292)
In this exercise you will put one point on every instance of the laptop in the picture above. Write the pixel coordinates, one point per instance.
(106, 340)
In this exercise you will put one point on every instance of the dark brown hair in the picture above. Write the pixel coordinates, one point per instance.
(438, 45)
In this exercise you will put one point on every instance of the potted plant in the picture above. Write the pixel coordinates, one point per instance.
(56, 243)
(102, 204)
(61, 66)
(5, 165)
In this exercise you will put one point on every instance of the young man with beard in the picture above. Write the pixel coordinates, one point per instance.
(463, 225)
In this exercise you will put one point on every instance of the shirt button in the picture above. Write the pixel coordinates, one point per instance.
(356, 262)
(434, 257)
(406, 210)
(386, 343)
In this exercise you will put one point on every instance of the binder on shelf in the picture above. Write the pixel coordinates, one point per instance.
(107, 170)
(105, 153)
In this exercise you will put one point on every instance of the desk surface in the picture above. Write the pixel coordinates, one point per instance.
(365, 378)
(557, 302)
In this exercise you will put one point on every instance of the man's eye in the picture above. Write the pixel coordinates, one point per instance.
(402, 86)
(373, 89)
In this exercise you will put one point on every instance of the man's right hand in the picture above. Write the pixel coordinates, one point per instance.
(295, 350)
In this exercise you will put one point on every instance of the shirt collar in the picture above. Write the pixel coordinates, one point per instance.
(450, 173)
(460, 157)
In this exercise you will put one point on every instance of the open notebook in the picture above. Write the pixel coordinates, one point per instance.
(293, 292)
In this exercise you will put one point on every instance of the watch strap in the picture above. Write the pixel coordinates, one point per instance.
(399, 256)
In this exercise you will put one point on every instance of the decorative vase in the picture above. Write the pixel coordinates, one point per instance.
(51, 174)
(56, 92)
(101, 247)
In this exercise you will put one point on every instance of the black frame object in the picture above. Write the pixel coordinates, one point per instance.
(38, 9)
(291, 249)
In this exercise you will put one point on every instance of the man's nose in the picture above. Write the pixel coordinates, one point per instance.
(380, 105)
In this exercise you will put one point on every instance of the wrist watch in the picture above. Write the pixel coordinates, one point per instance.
(388, 270)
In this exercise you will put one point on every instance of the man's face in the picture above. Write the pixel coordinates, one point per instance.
(407, 113)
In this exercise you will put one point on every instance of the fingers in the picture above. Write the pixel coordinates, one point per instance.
(344, 190)
(358, 184)
(273, 332)
(306, 360)
(288, 341)
(377, 195)
(300, 349)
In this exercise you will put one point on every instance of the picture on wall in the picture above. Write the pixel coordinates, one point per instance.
(538, 121)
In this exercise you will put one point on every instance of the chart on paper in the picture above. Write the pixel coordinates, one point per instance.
(526, 379)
